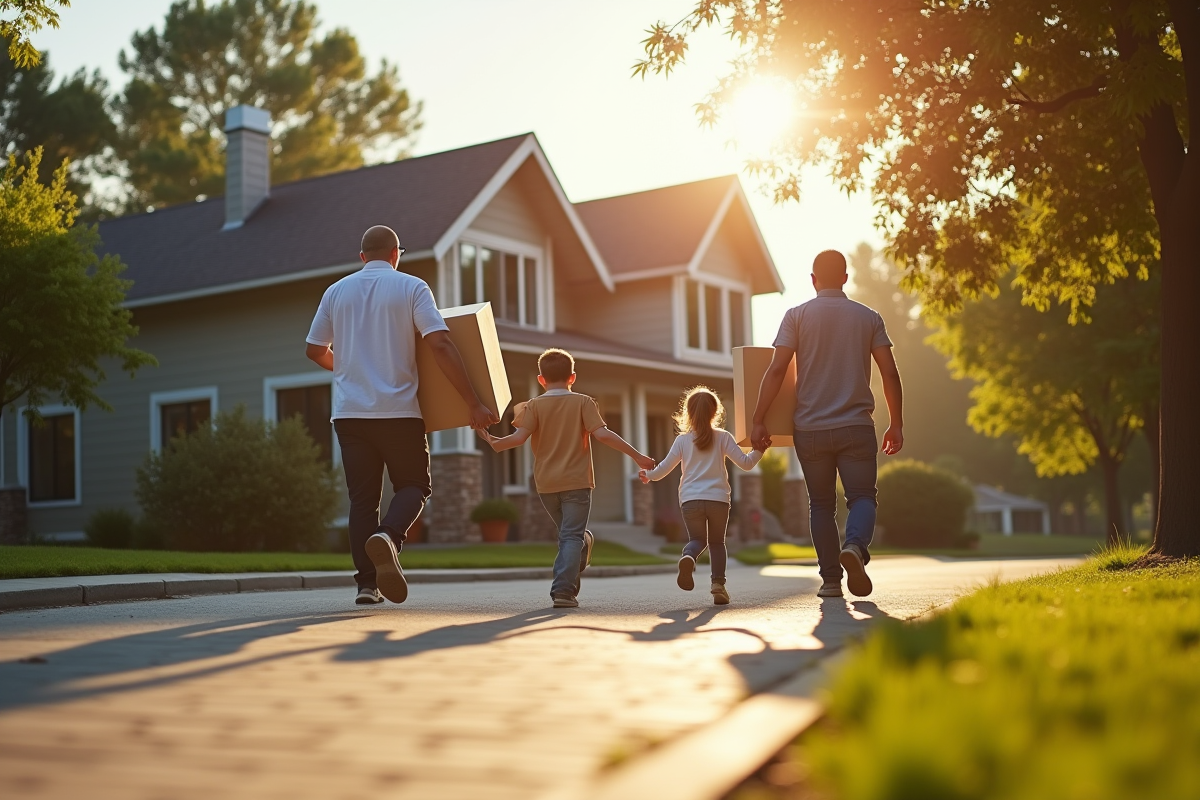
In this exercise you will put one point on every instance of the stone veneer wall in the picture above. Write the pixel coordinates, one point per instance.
(795, 508)
(749, 507)
(643, 502)
(14, 517)
(536, 525)
(457, 489)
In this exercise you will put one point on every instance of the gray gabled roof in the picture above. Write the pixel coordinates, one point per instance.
(304, 226)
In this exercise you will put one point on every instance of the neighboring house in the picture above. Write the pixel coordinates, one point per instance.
(997, 511)
(649, 291)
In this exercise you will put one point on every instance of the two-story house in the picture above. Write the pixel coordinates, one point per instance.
(649, 291)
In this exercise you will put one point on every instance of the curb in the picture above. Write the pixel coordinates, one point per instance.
(94, 589)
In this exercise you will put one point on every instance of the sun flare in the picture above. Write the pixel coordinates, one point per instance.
(759, 114)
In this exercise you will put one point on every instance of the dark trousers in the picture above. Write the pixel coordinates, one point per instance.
(706, 521)
(367, 446)
(824, 456)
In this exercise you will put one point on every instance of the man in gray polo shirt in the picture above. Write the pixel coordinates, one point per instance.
(833, 340)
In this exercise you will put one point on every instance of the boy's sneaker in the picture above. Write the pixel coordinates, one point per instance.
(368, 597)
(857, 580)
(388, 575)
(830, 589)
(687, 565)
(585, 557)
(564, 601)
(720, 594)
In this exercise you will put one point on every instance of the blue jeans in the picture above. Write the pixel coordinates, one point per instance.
(570, 511)
(706, 521)
(824, 455)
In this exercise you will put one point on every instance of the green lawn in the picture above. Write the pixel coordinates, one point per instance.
(991, 545)
(44, 562)
(1080, 684)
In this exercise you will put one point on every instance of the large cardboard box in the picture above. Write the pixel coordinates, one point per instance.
(749, 366)
(473, 331)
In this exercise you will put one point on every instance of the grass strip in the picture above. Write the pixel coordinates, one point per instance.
(1080, 684)
(37, 561)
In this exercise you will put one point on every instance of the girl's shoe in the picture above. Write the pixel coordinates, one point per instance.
(720, 594)
(687, 565)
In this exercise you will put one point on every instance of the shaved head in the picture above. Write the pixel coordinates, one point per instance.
(829, 268)
(379, 241)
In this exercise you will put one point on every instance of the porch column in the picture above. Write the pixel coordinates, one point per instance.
(1046, 522)
(640, 508)
(1006, 521)
(795, 499)
(456, 467)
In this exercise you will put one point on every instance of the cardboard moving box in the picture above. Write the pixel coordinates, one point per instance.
(749, 366)
(473, 331)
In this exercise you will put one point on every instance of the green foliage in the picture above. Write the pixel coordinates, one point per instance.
(922, 506)
(30, 16)
(989, 134)
(1083, 683)
(774, 467)
(495, 509)
(240, 485)
(329, 114)
(60, 306)
(111, 528)
(24, 561)
(68, 121)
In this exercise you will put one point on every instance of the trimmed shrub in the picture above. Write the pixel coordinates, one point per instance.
(773, 467)
(112, 528)
(240, 485)
(922, 506)
(495, 509)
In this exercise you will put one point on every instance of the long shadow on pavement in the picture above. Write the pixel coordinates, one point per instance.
(195, 651)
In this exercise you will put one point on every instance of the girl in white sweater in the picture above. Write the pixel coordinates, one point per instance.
(704, 483)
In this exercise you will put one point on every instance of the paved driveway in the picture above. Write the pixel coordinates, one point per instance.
(477, 690)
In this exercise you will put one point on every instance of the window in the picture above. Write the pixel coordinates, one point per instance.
(714, 318)
(314, 406)
(180, 413)
(52, 458)
(510, 281)
(181, 419)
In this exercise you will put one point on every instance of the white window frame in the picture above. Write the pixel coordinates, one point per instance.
(299, 380)
(724, 355)
(160, 399)
(514, 247)
(23, 455)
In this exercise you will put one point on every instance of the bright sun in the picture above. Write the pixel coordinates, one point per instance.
(759, 114)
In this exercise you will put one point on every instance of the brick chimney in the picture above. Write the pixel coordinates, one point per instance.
(247, 163)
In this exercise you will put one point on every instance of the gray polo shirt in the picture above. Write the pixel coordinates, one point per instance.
(833, 337)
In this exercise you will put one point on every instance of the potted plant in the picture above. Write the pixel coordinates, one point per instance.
(494, 517)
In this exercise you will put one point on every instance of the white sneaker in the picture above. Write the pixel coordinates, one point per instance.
(830, 589)
(687, 565)
(388, 575)
(368, 597)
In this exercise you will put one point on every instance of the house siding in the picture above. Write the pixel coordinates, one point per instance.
(638, 313)
(509, 214)
(723, 258)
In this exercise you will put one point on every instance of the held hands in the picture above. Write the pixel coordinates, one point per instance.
(482, 416)
(893, 440)
(486, 435)
(645, 462)
(644, 477)
(760, 437)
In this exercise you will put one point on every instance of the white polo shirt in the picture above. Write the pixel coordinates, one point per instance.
(371, 319)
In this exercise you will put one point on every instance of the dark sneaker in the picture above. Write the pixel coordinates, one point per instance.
(687, 565)
(830, 589)
(388, 575)
(857, 580)
(368, 597)
(720, 594)
(585, 557)
(565, 601)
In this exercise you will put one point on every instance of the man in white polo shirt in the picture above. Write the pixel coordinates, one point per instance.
(365, 332)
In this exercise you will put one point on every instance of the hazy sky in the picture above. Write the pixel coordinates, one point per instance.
(486, 69)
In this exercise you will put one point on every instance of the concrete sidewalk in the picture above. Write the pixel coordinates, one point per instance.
(21, 593)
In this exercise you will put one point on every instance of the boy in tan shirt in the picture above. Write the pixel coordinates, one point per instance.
(562, 424)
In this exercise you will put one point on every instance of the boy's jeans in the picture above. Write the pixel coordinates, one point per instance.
(824, 455)
(706, 521)
(570, 511)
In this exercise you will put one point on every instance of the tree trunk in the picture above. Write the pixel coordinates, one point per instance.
(1115, 532)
